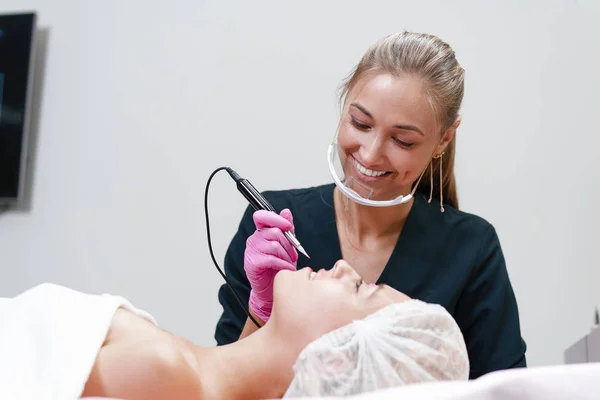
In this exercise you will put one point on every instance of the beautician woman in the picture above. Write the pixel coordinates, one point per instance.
(392, 211)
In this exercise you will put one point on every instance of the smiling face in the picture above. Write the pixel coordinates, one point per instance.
(311, 304)
(388, 134)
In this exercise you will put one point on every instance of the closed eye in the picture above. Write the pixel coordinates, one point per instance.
(364, 127)
(402, 143)
(358, 283)
(359, 125)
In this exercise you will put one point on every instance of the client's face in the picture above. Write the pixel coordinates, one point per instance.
(314, 303)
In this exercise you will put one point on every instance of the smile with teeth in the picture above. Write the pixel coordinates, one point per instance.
(369, 172)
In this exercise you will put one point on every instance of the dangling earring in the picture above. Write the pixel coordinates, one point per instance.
(440, 156)
(430, 180)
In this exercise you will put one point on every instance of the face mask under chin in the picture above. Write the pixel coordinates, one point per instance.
(360, 184)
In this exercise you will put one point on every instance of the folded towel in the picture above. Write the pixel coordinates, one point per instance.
(49, 339)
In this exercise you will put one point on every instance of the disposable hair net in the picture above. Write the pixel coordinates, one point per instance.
(403, 343)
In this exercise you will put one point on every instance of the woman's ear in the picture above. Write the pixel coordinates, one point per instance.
(447, 137)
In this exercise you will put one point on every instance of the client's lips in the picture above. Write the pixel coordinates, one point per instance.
(309, 272)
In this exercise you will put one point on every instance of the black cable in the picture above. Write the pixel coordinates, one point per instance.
(211, 249)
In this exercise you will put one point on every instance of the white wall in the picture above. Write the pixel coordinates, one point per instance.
(141, 100)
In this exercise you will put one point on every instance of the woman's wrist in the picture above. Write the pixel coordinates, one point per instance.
(256, 318)
(259, 309)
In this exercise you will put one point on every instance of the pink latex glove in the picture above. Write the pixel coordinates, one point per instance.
(267, 252)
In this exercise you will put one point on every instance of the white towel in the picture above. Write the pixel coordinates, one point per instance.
(50, 336)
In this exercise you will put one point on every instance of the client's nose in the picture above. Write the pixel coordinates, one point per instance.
(344, 270)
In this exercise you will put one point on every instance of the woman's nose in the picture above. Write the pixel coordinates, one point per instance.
(371, 152)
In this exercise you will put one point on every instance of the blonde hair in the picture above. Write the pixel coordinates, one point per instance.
(425, 57)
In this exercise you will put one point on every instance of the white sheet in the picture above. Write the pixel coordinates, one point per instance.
(561, 382)
(49, 338)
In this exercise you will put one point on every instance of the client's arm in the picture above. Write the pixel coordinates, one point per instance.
(139, 360)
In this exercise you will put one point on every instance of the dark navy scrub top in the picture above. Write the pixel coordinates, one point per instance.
(453, 259)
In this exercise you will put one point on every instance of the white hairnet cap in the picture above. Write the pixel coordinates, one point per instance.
(400, 344)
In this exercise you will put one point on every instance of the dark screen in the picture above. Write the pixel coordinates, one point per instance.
(16, 31)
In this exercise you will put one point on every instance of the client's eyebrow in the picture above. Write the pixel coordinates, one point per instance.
(399, 126)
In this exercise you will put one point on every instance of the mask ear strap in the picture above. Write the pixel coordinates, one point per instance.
(412, 193)
(423, 173)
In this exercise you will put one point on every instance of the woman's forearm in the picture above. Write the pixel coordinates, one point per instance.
(250, 327)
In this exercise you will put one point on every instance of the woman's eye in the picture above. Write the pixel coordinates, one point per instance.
(402, 143)
(359, 125)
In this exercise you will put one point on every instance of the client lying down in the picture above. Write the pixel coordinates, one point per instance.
(328, 334)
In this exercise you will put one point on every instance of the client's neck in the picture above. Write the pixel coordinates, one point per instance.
(256, 367)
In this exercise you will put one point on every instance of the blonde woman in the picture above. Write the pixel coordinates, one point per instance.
(392, 211)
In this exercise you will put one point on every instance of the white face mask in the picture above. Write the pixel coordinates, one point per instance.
(362, 185)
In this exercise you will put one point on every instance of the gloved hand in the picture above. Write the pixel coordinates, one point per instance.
(267, 252)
